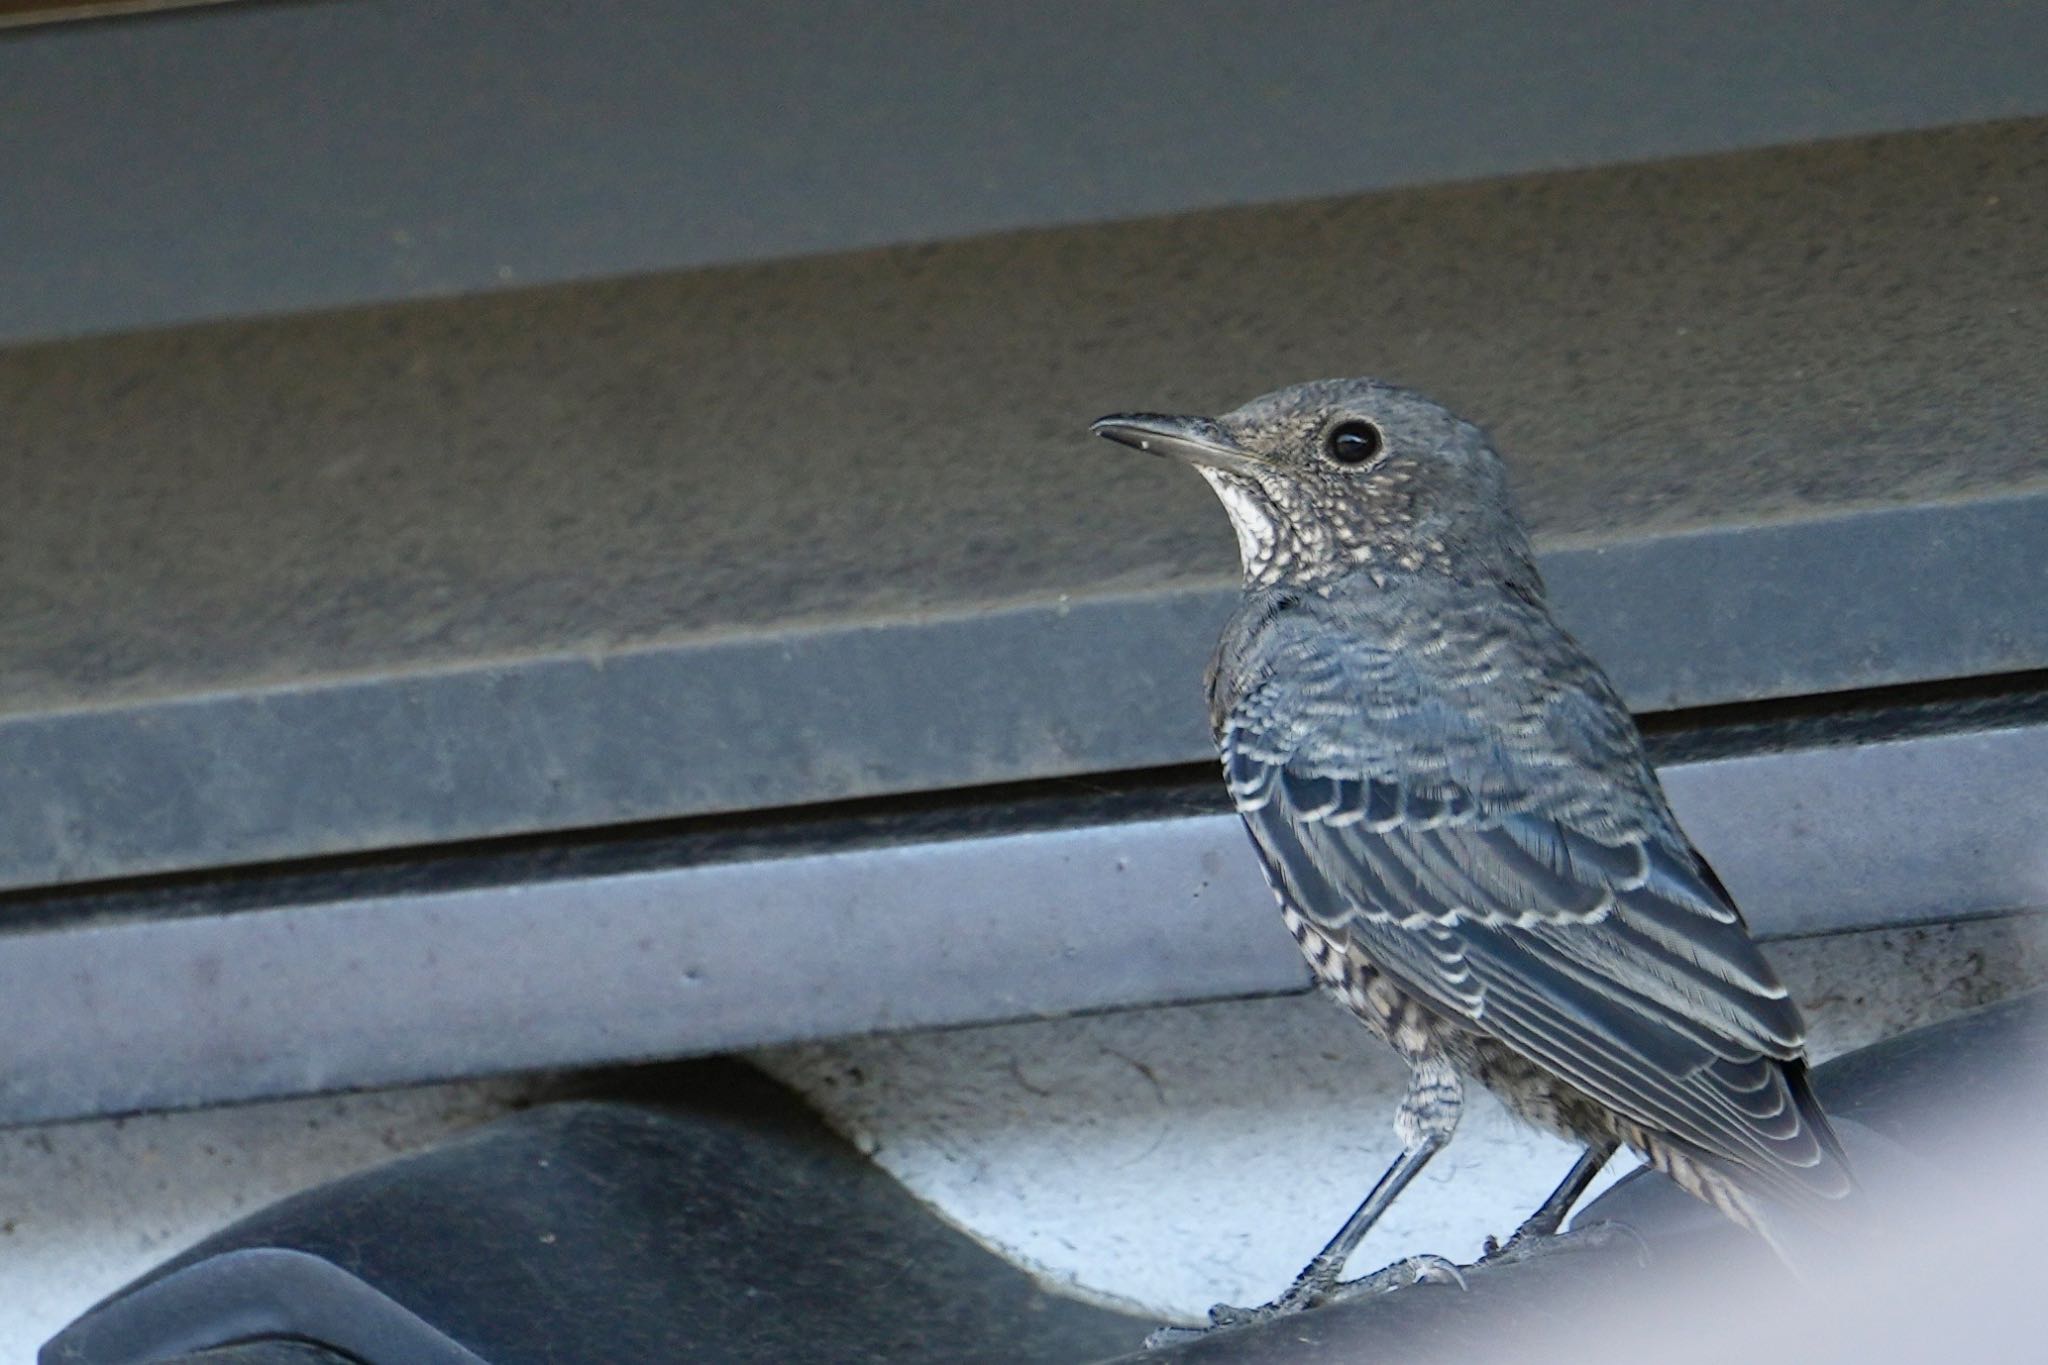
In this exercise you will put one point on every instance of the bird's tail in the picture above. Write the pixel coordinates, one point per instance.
(1808, 1209)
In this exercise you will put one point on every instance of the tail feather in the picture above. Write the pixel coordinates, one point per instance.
(1806, 1221)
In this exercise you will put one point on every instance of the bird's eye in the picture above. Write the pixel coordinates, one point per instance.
(1353, 442)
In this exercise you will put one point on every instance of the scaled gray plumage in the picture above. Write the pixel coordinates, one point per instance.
(1455, 812)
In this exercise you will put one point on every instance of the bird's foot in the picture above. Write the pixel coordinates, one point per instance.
(1308, 1292)
(1312, 1292)
(1222, 1317)
(1424, 1269)
(1539, 1228)
(1173, 1336)
(1530, 1245)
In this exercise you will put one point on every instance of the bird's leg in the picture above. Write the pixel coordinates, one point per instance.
(1551, 1213)
(1425, 1121)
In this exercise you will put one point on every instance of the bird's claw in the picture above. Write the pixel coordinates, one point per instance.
(1424, 1269)
(1173, 1336)
(1306, 1293)
(1530, 1246)
(1608, 1232)
(1227, 1315)
(1230, 1315)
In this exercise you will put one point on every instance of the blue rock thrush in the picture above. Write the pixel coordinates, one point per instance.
(1455, 812)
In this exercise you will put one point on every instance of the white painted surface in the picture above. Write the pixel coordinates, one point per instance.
(1170, 1158)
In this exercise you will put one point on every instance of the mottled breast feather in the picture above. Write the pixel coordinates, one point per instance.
(1440, 779)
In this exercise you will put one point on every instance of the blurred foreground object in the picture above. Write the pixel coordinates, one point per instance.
(1943, 1123)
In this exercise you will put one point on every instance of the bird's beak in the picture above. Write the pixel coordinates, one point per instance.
(1197, 440)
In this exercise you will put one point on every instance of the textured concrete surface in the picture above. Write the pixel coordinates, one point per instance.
(284, 156)
(1173, 1158)
(623, 551)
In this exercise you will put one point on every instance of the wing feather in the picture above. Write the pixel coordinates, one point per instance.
(1611, 957)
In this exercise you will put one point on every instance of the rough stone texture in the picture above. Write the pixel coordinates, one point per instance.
(1859, 988)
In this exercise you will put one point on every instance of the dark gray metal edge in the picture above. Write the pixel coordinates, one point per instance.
(1036, 689)
(210, 1305)
(532, 141)
(119, 1016)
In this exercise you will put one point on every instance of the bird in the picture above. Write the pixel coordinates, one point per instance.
(1456, 813)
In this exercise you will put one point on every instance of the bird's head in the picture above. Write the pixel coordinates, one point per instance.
(1347, 476)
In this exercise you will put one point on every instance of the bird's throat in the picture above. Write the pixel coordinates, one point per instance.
(1253, 518)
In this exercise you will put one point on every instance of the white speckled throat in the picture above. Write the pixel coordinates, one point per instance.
(1250, 516)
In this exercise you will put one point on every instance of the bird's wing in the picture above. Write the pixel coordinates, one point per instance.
(1615, 960)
